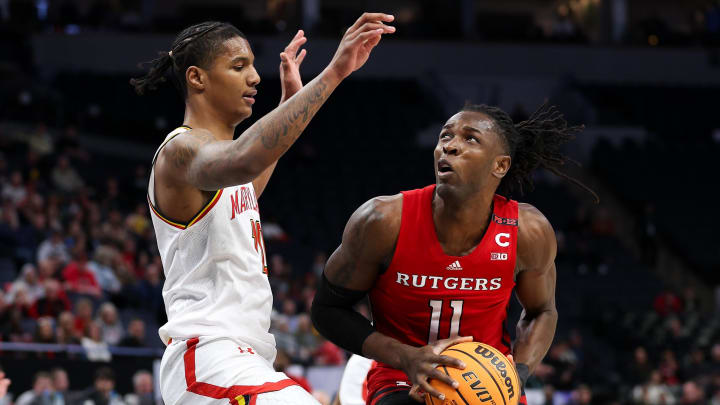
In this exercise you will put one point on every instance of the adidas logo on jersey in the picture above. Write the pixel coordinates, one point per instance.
(454, 266)
(402, 384)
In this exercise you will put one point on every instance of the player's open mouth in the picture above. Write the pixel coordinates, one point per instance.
(249, 97)
(444, 166)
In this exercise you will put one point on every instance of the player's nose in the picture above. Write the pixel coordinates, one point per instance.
(451, 148)
(253, 78)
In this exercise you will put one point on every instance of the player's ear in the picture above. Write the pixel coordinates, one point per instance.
(195, 78)
(501, 166)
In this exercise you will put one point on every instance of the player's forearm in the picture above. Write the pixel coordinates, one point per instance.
(384, 349)
(535, 334)
(244, 159)
(272, 135)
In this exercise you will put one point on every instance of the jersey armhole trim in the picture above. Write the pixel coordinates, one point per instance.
(177, 224)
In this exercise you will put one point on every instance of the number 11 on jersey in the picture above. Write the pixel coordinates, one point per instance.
(259, 242)
(436, 305)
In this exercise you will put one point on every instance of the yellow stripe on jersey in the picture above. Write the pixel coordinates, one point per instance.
(196, 218)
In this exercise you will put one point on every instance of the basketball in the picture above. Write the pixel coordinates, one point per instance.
(488, 378)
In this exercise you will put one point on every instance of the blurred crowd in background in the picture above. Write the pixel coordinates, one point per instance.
(573, 21)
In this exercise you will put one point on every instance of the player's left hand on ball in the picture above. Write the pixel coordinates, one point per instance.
(290, 61)
(419, 363)
(417, 393)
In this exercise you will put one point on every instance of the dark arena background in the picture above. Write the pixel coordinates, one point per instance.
(638, 281)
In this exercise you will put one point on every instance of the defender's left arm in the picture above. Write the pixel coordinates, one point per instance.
(291, 83)
(535, 289)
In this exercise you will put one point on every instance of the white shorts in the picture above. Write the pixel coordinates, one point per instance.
(214, 371)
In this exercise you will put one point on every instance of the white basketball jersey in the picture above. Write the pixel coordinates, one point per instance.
(216, 280)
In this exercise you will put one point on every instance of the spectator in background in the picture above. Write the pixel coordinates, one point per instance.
(691, 301)
(692, 394)
(327, 354)
(289, 309)
(138, 221)
(640, 368)
(40, 392)
(136, 334)
(150, 289)
(654, 392)
(83, 315)
(79, 279)
(306, 339)
(53, 303)
(44, 331)
(667, 303)
(15, 191)
(669, 368)
(28, 282)
(582, 395)
(61, 386)
(128, 256)
(69, 145)
(95, 348)
(103, 390)
(677, 339)
(101, 267)
(142, 389)
(110, 326)
(64, 176)
(696, 368)
(65, 331)
(40, 141)
(715, 358)
(53, 248)
(284, 340)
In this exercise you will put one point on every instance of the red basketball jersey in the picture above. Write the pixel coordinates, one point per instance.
(426, 295)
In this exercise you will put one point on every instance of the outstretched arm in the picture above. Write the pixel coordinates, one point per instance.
(291, 83)
(535, 288)
(367, 248)
(210, 164)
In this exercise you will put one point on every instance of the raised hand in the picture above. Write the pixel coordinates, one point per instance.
(290, 61)
(419, 364)
(358, 42)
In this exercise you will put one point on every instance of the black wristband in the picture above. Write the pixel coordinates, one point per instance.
(523, 373)
(333, 315)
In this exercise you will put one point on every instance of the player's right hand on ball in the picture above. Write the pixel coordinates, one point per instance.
(358, 41)
(419, 364)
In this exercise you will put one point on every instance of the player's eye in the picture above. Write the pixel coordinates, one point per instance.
(471, 139)
(238, 68)
(445, 135)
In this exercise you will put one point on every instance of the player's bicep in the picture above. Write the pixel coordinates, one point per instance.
(218, 164)
(535, 289)
(537, 248)
(366, 243)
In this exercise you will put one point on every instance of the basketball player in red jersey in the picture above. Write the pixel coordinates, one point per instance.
(439, 263)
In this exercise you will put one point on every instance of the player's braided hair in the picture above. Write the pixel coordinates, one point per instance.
(196, 45)
(533, 143)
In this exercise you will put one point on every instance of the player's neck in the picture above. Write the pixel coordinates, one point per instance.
(455, 215)
(208, 119)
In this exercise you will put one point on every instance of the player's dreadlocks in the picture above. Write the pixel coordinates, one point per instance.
(196, 45)
(533, 143)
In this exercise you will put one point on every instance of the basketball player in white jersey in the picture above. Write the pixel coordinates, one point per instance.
(203, 193)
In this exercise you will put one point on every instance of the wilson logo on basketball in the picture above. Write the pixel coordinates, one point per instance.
(501, 367)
